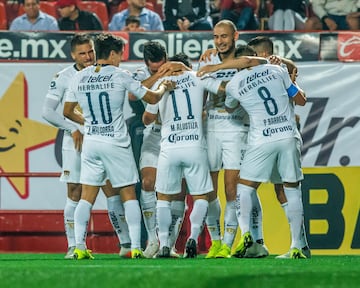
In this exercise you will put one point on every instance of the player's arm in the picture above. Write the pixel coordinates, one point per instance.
(300, 98)
(50, 114)
(71, 113)
(237, 63)
(154, 96)
(148, 118)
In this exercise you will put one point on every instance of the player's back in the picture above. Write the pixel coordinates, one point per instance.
(181, 112)
(262, 91)
(101, 91)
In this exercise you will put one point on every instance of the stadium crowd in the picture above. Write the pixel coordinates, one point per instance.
(159, 15)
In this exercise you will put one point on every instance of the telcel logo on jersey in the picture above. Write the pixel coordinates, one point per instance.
(256, 75)
(99, 78)
(270, 131)
(173, 138)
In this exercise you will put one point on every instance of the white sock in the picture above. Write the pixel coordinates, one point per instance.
(81, 219)
(231, 223)
(133, 219)
(244, 206)
(116, 215)
(148, 208)
(163, 221)
(295, 214)
(69, 211)
(197, 218)
(177, 216)
(213, 219)
(256, 226)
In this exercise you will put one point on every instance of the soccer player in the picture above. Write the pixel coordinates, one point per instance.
(83, 54)
(226, 137)
(264, 48)
(155, 56)
(100, 91)
(183, 153)
(273, 145)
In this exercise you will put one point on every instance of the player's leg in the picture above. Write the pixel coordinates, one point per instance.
(150, 150)
(133, 218)
(71, 175)
(116, 215)
(148, 207)
(233, 147)
(198, 179)
(214, 210)
(82, 217)
(168, 186)
(177, 216)
(72, 200)
(289, 167)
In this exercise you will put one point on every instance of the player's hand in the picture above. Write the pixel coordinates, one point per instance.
(169, 68)
(206, 69)
(294, 74)
(206, 56)
(78, 139)
(168, 85)
(275, 60)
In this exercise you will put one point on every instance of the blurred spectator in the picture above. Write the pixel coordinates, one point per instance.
(149, 20)
(33, 19)
(241, 12)
(133, 24)
(75, 19)
(287, 15)
(334, 15)
(185, 15)
(215, 11)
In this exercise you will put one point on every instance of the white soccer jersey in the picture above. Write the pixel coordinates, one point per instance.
(59, 85)
(181, 110)
(101, 91)
(266, 99)
(218, 120)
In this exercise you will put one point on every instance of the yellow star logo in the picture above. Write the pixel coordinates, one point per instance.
(19, 135)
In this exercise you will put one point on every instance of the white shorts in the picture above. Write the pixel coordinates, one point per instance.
(71, 161)
(190, 163)
(277, 162)
(101, 161)
(150, 148)
(226, 150)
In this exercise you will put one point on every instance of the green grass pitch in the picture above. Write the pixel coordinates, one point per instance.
(108, 270)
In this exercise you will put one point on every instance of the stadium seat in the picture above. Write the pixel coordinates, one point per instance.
(12, 10)
(3, 17)
(123, 5)
(47, 7)
(99, 8)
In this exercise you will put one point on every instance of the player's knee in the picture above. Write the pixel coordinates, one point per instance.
(148, 184)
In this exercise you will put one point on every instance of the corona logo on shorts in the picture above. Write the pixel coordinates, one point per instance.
(19, 135)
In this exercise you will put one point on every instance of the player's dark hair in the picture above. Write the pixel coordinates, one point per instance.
(181, 57)
(262, 44)
(154, 52)
(80, 39)
(244, 50)
(132, 19)
(105, 43)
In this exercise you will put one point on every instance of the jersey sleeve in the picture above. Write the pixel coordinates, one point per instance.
(210, 83)
(152, 108)
(291, 88)
(132, 85)
(70, 95)
(230, 100)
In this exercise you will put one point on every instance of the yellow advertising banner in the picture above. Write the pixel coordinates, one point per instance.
(331, 211)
